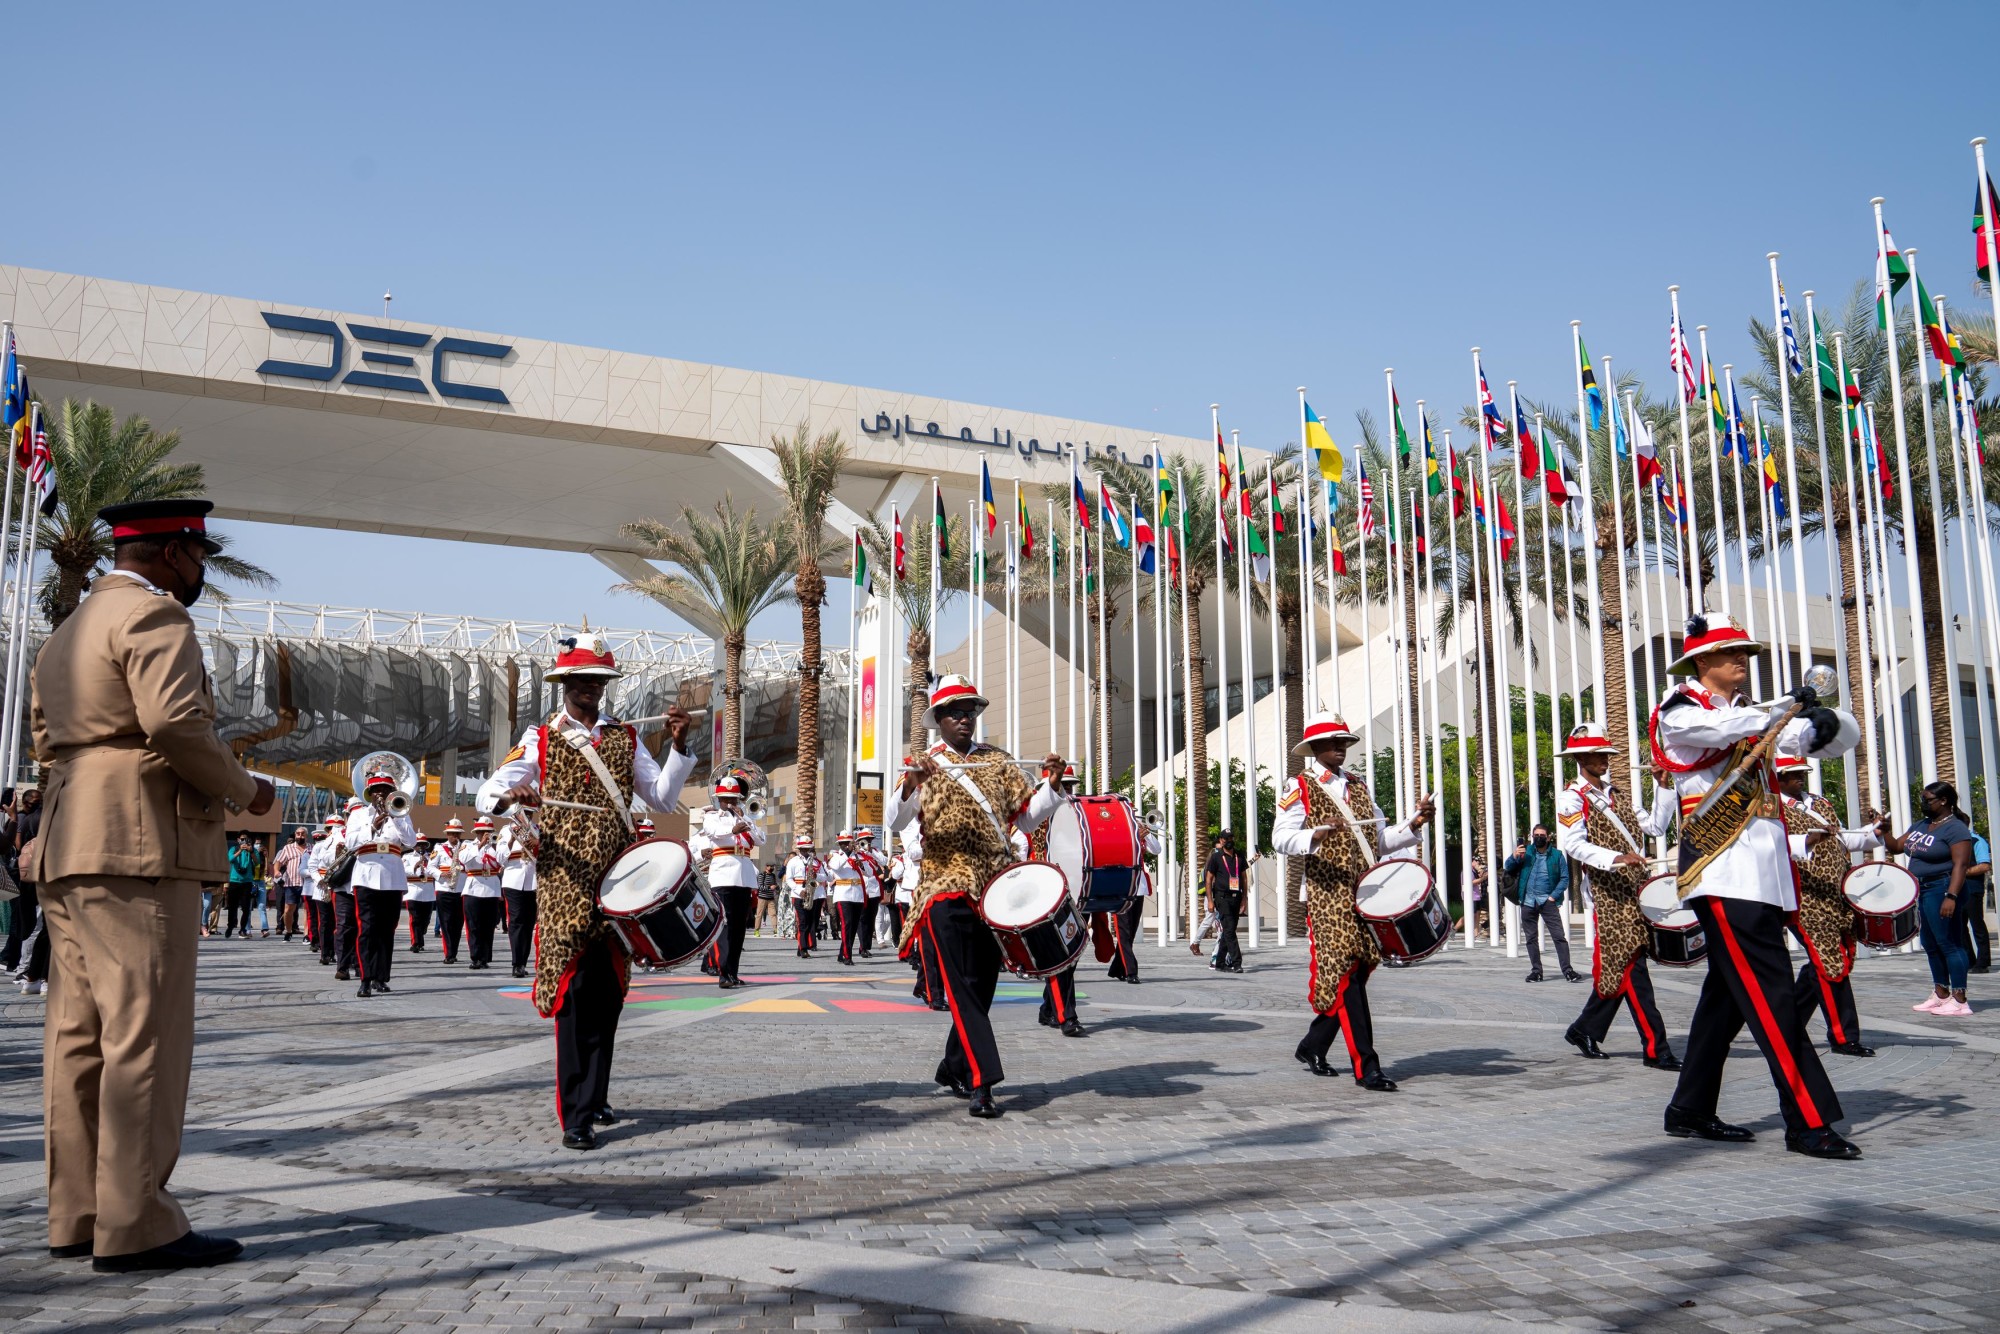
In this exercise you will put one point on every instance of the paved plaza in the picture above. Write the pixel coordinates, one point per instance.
(787, 1163)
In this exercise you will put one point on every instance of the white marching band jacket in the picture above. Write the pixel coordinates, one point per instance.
(379, 849)
(323, 855)
(655, 785)
(517, 861)
(482, 864)
(417, 874)
(869, 868)
(806, 878)
(1289, 834)
(1572, 834)
(844, 877)
(444, 868)
(727, 853)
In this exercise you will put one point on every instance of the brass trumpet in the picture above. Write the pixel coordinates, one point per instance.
(402, 771)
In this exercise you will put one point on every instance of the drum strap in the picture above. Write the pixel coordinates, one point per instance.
(580, 742)
(1610, 813)
(957, 776)
(1347, 813)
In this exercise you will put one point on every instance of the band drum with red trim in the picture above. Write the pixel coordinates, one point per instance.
(1400, 905)
(1031, 914)
(1884, 898)
(661, 910)
(1674, 935)
(1096, 841)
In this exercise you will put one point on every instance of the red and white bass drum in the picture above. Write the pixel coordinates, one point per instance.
(1030, 912)
(1400, 905)
(661, 909)
(1884, 898)
(1099, 846)
(1674, 935)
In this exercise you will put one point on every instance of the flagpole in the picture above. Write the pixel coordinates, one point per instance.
(1632, 425)
(1332, 602)
(1162, 702)
(1864, 671)
(1734, 423)
(1781, 639)
(1919, 648)
(1367, 667)
(1190, 870)
(937, 585)
(1465, 848)
(1090, 572)
(1221, 621)
(1405, 786)
(1885, 602)
(1698, 594)
(1983, 562)
(1618, 538)
(1246, 644)
(1420, 495)
(1305, 566)
(1069, 634)
(1007, 645)
(21, 614)
(1714, 480)
(1569, 626)
(1947, 602)
(1830, 543)
(1279, 690)
(1534, 768)
(1483, 723)
(1780, 322)
(1549, 612)
(1102, 735)
(1053, 544)
(7, 528)
(892, 660)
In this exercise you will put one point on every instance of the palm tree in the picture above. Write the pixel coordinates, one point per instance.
(913, 602)
(101, 461)
(810, 468)
(732, 565)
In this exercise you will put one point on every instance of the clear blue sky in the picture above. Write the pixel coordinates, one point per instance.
(1117, 212)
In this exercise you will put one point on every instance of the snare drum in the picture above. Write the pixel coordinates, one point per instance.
(1674, 935)
(662, 911)
(1033, 917)
(1097, 844)
(1401, 907)
(1884, 898)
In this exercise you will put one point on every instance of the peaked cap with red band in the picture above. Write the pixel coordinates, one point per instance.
(1702, 640)
(952, 690)
(584, 655)
(1588, 739)
(138, 520)
(1791, 764)
(1324, 727)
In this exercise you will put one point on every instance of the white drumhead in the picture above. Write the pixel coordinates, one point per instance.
(643, 875)
(1023, 893)
(1880, 887)
(1660, 900)
(1392, 887)
(1066, 841)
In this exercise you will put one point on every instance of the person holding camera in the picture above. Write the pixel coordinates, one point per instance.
(1539, 875)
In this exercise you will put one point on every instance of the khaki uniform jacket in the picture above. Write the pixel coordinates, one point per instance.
(124, 721)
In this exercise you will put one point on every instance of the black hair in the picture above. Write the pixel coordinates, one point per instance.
(1948, 794)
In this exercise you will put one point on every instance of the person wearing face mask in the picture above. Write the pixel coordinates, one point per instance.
(1542, 874)
(138, 787)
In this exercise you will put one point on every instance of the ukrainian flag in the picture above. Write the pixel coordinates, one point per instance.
(1320, 442)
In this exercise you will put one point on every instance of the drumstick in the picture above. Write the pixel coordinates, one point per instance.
(575, 806)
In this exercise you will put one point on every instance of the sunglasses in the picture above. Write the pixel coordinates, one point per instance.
(960, 711)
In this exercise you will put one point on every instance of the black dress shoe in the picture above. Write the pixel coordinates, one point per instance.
(76, 1250)
(191, 1251)
(340, 975)
(381, 988)
(520, 971)
(1133, 980)
(1571, 975)
(1072, 1029)
(1853, 1049)
(1586, 1044)
(1665, 1061)
(1316, 1064)
(1378, 1083)
(939, 1006)
(364, 990)
(1823, 1143)
(586, 1138)
(476, 967)
(1534, 975)
(983, 1105)
(605, 1117)
(1045, 1019)
(1687, 1125)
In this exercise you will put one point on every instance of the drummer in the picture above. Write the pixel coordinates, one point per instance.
(1736, 872)
(965, 812)
(1327, 819)
(1600, 829)
(1059, 989)
(1824, 924)
(596, 767)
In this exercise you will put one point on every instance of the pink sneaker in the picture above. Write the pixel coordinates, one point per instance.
(1931, 1003)
(1952, 1009)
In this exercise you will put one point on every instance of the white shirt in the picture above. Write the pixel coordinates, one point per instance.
(1291, 837)
(898, 814)
(910, 866)
(1573, 838)
(379, 870)
(845, 878)
(653, 785)
(444, 867)
(519, 866)
(324, 853)
(1864, 839)
(482, 865)
(802, 877)
(1756, 867)
(729, 852)
(417, 874)
(866, 862)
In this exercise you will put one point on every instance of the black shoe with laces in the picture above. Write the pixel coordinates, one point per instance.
(1315, 1064)
(1853, 1049)
(1666, 1060)
(1378, 1083)
(1823, 1143)
(983, 1105)
(585, 1138)
(1571, 975)
(1534, 975)
(1072, 1029)
(1688, 1125)
(190, 1251)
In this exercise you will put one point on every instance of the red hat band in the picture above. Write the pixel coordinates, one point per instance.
(948, 693)
(156, 527)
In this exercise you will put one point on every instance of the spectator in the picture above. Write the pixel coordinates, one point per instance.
(27, 942)
(1939, 848)
(287, 876)
(1224, 881)
(1974, 904)
(1479, 915)
(243, 866)
(1541, 875)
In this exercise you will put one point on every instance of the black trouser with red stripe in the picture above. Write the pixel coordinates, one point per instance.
(586, 1030)
(802, 924)
(1125, 934)
(420, 922)
(1059, 997)
(864, 930)
(968, 960)
(482, 916)
(1348, 1018)
(377, 912)
(739, 905)
(521, 911)
(323, 933)
(850, 926)
(897, 912)
(451, 920)
(1812, 990)
(346, 932)
(1635, 991)
(1750, 981)
(929, 987)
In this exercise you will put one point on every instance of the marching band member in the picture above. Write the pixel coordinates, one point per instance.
(1124, 923)
(346, 917)
(965, 813)
(421, 897)
(1736, 868)
(847, 896)
(1825, 921)
(595, 766)
(1059, 989)
(450, 887)
(1327, 819)
(379, 839)
(896, 894)
(517, 892)
(725, 840)
(319, 895)
(870, 870)
(481, 863)
(643, 829)
(802, 886)
(1599, 829)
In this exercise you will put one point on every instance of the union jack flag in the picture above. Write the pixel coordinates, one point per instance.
(1491, 424)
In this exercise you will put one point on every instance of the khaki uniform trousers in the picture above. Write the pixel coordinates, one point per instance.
(118, 1041)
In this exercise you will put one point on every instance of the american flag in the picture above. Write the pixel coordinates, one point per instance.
(1679, 359)
(1366, 518)
(41, 467)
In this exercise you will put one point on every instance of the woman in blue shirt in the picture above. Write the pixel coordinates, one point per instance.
(1939, 848)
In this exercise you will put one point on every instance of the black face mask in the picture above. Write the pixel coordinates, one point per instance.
(190, 595)
(1541, 840)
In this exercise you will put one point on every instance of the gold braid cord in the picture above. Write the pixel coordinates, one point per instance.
(1723, 823)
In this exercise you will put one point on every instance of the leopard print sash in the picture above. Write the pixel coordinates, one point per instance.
(577, 847)
(1339, 941)
(962, 849)
(1826, 918)
(1621, 927)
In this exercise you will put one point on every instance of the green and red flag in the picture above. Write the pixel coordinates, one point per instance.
(1934, 330)
(1983, 201)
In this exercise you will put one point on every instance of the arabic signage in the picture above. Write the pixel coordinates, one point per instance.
(385, 369)
(930, 433)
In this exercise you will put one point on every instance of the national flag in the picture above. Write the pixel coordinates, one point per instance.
(1853, 387)
(941, 533)
(1712, 393)
(1389, 515)
(1492, 426)
(1433, 484)
(1277, 506)
(1552, 472)
(1527, 456)
(896, 558)
(1243, 485)
(1114, 522)
(1365, 516)
(1934, 328)
(860, 561)
(1222, 531)
(1829, 378)
(1681, 514)
(1506, 522)
(1736, 430)
(1027, 528)
(1643, 449)
(1334, 553)
(1081, 501)
(1872, 454)
(1766, 452)
(1165, 485)
(1260, 555)
(1891, 272)
(1173, 554)
(1142, 537)
(1221, 468)
(1592, 394)
(1417, 524)
(1680, 360)
(1790, 334)
(1326, 454)
(986, 498)
(1478, 499)
(1402, 436)
(1983, 200)
(1457, 482)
